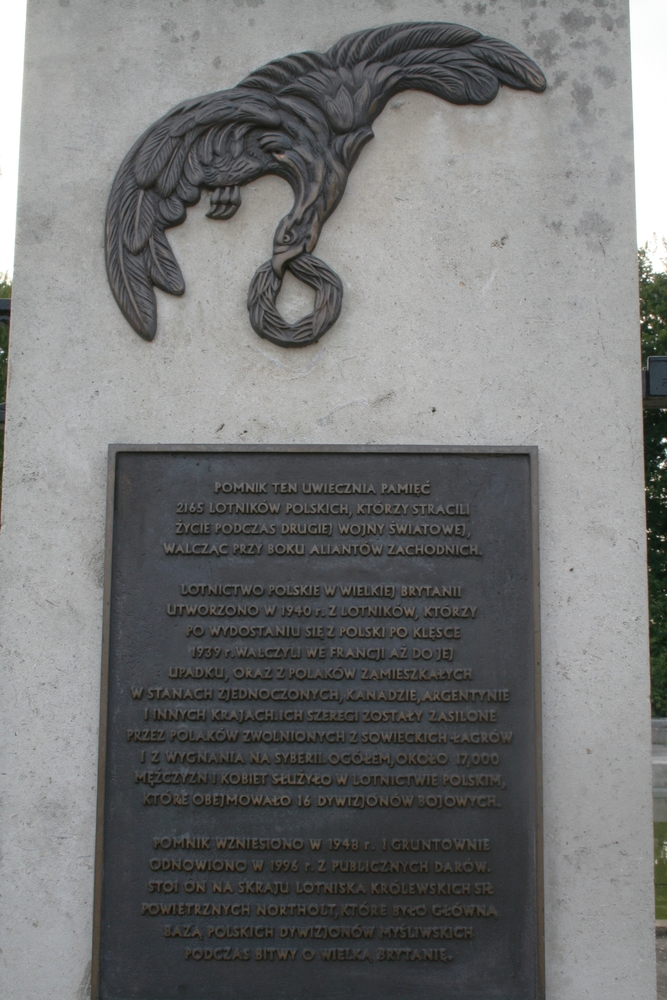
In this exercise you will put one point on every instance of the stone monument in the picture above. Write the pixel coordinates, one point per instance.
(397, 740)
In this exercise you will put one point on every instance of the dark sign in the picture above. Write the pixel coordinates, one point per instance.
(320, 735)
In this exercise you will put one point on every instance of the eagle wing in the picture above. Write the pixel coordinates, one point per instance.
(198, 145)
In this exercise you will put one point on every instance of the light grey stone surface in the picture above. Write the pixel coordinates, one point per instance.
(488, 259)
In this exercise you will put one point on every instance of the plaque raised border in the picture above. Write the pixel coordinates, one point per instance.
(531, 452)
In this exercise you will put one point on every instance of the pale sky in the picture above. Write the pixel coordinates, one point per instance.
(649, 80)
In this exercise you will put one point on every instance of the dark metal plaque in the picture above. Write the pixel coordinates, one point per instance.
(320, 736)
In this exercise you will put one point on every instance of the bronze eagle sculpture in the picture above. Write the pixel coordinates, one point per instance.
(304, 118)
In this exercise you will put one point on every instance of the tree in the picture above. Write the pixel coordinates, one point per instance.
(653, 312)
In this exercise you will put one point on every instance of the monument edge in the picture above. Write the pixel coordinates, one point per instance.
(102, 746)
(537, 675)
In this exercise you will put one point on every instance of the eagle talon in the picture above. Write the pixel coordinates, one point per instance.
(225, 203)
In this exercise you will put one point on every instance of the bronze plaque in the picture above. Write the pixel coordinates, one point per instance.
(320, 732)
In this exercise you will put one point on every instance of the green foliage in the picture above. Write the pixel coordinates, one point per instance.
(660, 869)
(653, 311)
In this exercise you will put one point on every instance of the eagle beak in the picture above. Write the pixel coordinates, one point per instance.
(282, 256)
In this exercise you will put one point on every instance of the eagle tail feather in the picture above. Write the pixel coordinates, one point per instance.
(129, 279)
(454, 62)
(162, 266)
(138, 255)
(513, 68)
(277, 74)
(452, 86)
(379, 44)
